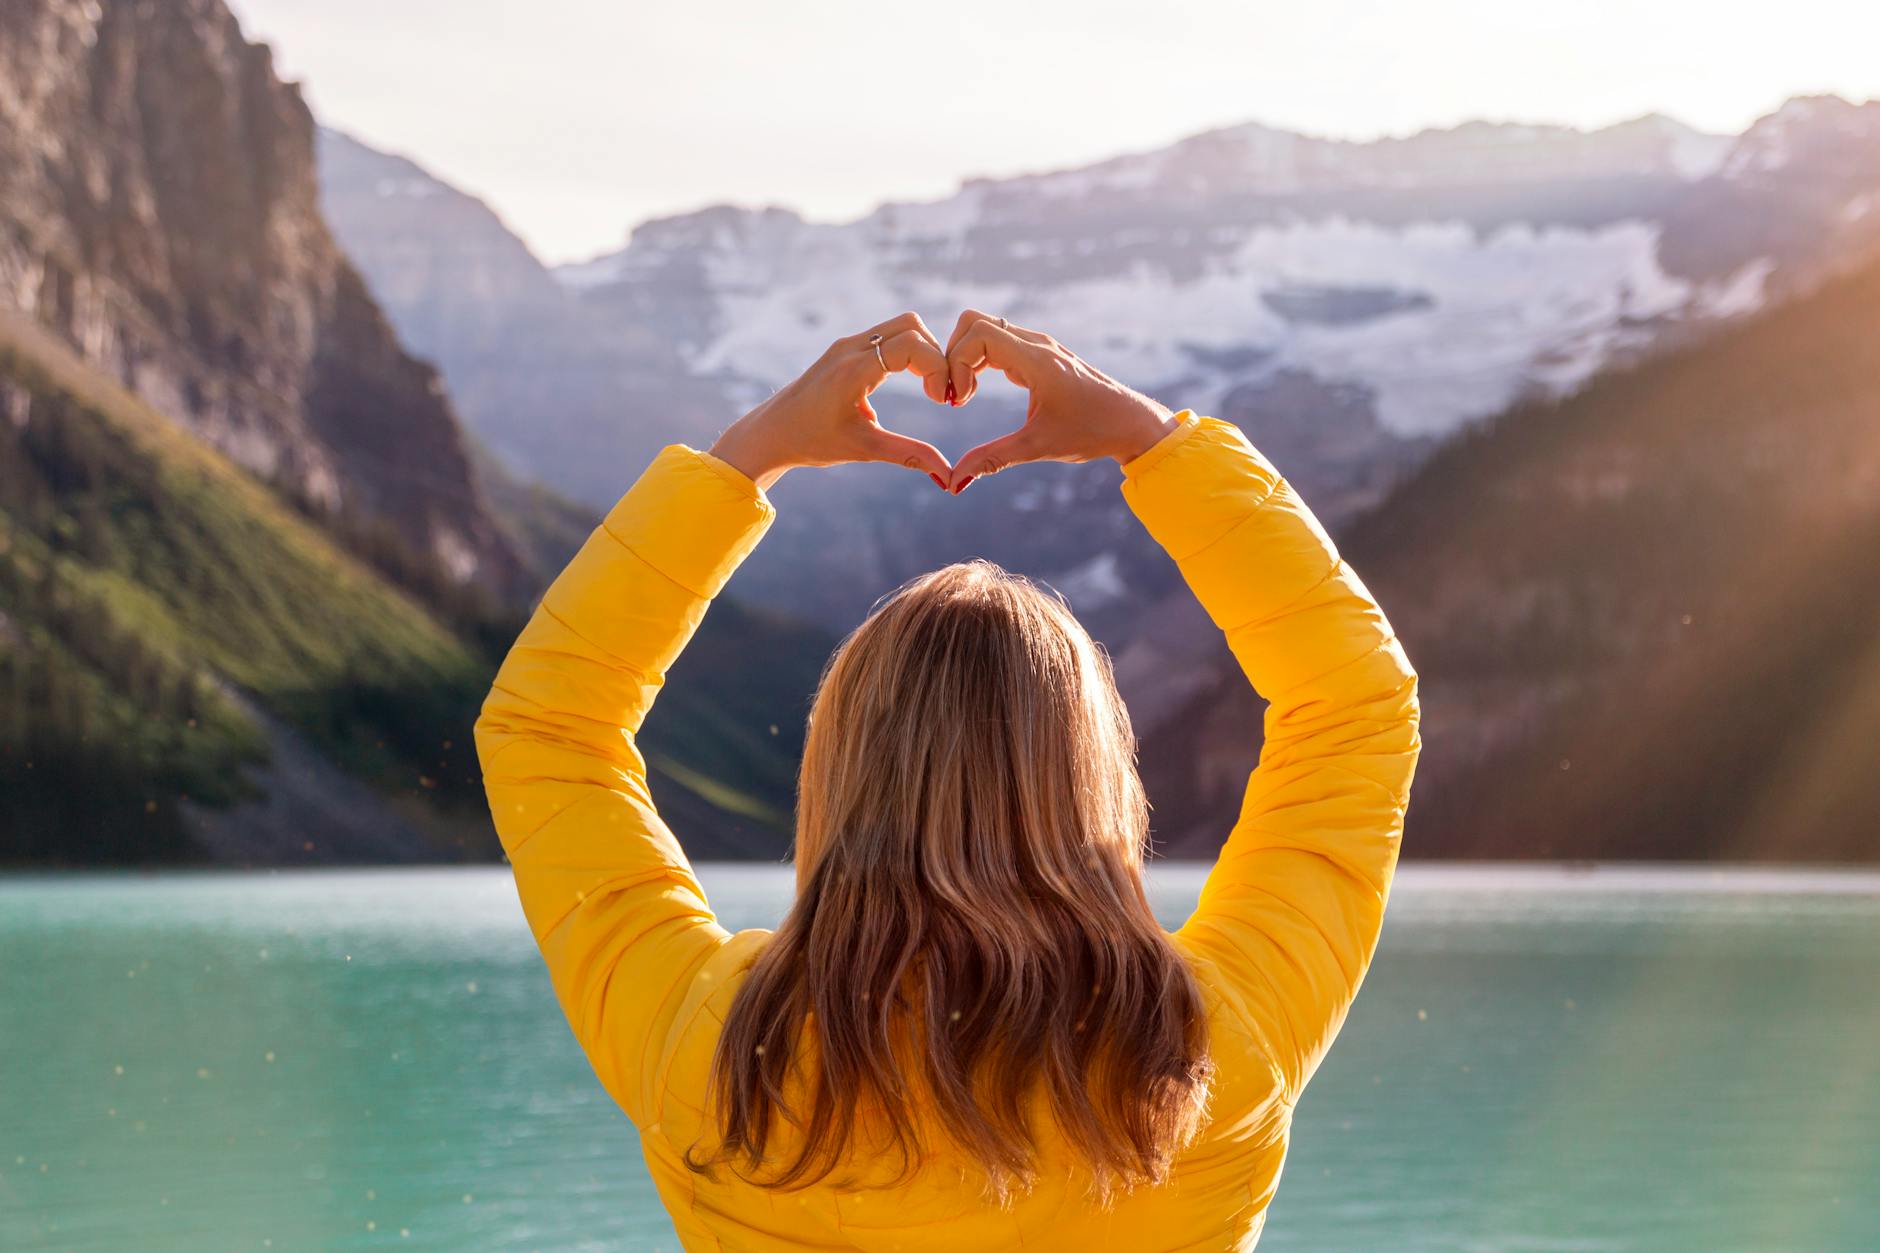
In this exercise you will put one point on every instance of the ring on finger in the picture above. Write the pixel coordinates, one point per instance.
(874, 341)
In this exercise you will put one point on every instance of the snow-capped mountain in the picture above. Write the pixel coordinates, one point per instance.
(1447, 273)
(1350, 304)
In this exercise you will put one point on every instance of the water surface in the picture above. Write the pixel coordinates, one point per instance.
(1541, 1059)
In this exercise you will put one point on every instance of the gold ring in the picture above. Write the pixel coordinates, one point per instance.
(874, 341)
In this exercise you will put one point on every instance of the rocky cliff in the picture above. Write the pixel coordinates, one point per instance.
(159, 213)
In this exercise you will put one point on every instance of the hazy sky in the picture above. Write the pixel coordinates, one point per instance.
(577, 118)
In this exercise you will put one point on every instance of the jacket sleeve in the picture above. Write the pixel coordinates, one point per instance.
(1291, 911)
(609, 895)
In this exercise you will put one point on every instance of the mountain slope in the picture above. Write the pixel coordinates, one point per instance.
(161, 217)
(539, 380)
(1647, 618)
(191, 670)
(153, 596)
(253, 582)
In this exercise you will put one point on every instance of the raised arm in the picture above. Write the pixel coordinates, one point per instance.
(1290, 914)
(608, 892)
(1291, 911)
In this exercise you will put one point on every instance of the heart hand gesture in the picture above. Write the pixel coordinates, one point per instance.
(1076, 412)
(823, 418)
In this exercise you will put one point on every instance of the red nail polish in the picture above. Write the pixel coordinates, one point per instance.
(963, 482)
(949, 396)
(937, 480)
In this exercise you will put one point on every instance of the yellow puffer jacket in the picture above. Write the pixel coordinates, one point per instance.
(1286, 926)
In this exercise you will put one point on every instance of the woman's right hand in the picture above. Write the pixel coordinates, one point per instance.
(1076, 412)
(823, 418)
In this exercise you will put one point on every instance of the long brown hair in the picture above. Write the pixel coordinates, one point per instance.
(970, 926)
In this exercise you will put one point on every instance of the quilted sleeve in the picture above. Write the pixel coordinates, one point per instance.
(622, 923)
(1292, 909)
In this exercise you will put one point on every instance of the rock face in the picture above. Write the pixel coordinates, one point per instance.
(159, 212)
(537, 377)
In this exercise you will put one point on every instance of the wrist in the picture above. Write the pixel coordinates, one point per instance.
(1148, 423)
(748, 456)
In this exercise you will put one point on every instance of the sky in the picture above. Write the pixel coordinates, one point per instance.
(576, 119)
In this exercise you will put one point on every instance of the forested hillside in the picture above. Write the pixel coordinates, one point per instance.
(1647, 618)
(172, 634)
(150, 589)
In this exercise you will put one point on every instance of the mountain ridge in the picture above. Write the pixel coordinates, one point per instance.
(162, 219)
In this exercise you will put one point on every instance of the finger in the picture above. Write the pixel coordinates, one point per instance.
(848, 345)
(939, 386)
(967, 320)
(991, 457)
(1037, 337)
(972, 316)
(899, 324)
(1028, 335)
(909, 321)
(879, 444)
(915, 353)
(989, 344)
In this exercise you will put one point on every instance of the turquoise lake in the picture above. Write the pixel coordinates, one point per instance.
(1541, 1059)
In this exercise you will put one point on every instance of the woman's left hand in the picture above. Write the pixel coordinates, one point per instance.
(823, 418)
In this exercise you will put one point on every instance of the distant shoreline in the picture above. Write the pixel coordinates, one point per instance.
(1497, 876)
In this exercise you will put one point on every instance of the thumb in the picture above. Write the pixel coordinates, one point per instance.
(991, 457)
(904, 450)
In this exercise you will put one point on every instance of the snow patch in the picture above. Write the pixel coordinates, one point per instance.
(1741, 293)
(598, 272)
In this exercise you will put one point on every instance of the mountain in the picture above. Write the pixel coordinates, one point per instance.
(1646, 617)
(1356, 307)
(161, 216)
(254, 579)
(534, 376)
(192, 670)
(1448, 273)
(1406, 287)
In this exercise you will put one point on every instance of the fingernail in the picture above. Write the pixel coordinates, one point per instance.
(963, 482)
(937, 480)
(949, 396)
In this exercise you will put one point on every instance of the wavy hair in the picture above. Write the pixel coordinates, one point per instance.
(970, 932)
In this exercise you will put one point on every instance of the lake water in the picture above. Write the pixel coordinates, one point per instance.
(1541, 1060)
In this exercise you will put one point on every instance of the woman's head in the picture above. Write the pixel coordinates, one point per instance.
(970, 925)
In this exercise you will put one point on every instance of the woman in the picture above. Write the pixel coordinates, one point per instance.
(968, 1032)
